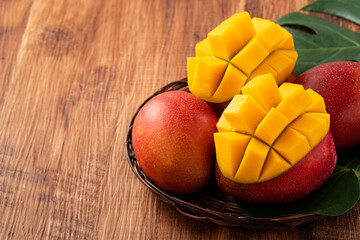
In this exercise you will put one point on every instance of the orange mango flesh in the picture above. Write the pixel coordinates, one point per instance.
(268, 129)
(243, 48)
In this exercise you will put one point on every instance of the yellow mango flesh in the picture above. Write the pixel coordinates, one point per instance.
(225, 41)
(263, 68)
(273, 167)
(278, 127)
(202, 49)
(252, 162)
(325, 116)
(206, 68)
(230, 148)
(287, 43)
(271, 126)
(271, 36)
(251, 47)
(260, 23)
(318, 103)
(283, 62)
(223, 125)
(294, 100)
(244, 25)
(191, 67)
(244, 114)
(307, 124)
(230, 85)
(250, 57)
(292, 145)
(264, 90)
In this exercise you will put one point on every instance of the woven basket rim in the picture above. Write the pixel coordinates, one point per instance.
(193, 205)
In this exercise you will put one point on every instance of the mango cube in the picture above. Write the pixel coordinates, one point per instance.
(318, 103)
(244, 114)
(244, 25)
(292, 145)
(260, 23)
(283, 62)
(230, 148)
(264, 90)
(325, 116)
(223, 125)
(270, 36)
(295, 100)
(203, 49)
(252, 162)
(287, 43)
(250, 57)
(206, 68)
(271, 126)
(263, 68)
(225, 41)
(191, 67)
(308, 124)
(232, 83)
(273, 166)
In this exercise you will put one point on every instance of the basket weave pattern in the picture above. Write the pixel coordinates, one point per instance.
(210, 204)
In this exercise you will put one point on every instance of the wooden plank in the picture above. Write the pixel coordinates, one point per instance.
(61, 119)
(73, 74)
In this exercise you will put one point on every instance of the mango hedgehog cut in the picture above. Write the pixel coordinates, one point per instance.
(237, 51)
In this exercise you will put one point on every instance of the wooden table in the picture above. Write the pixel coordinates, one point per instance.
(72, 74)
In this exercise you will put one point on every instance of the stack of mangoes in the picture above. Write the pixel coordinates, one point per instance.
(271, 142)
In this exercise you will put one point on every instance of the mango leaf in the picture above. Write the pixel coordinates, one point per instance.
(318, 41)
(348, 9)
(338, 195)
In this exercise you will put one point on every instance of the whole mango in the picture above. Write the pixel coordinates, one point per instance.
(339, 84)
(173, 141)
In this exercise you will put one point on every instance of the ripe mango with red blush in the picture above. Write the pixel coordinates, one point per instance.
(265, 132)
(339, 84)
(173, 142)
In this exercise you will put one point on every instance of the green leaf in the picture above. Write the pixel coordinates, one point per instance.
(318, 41)
(338, 195)
(348, 9)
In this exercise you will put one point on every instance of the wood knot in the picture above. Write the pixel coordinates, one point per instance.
(98, 77)
(58, 40)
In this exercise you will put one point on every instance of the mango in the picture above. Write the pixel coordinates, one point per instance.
(244, 113)
(244, 48)
(339, 85)
(172, 137)
(267, 130)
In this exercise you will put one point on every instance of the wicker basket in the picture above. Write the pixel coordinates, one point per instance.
(210, 204)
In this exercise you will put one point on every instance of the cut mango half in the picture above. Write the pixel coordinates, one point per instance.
(243, 48)
(267, 129)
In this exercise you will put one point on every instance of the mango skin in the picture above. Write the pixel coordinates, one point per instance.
(299, 181)
(173, 141)
(339, 84)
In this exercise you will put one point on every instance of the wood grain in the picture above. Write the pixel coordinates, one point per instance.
(72, 75)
